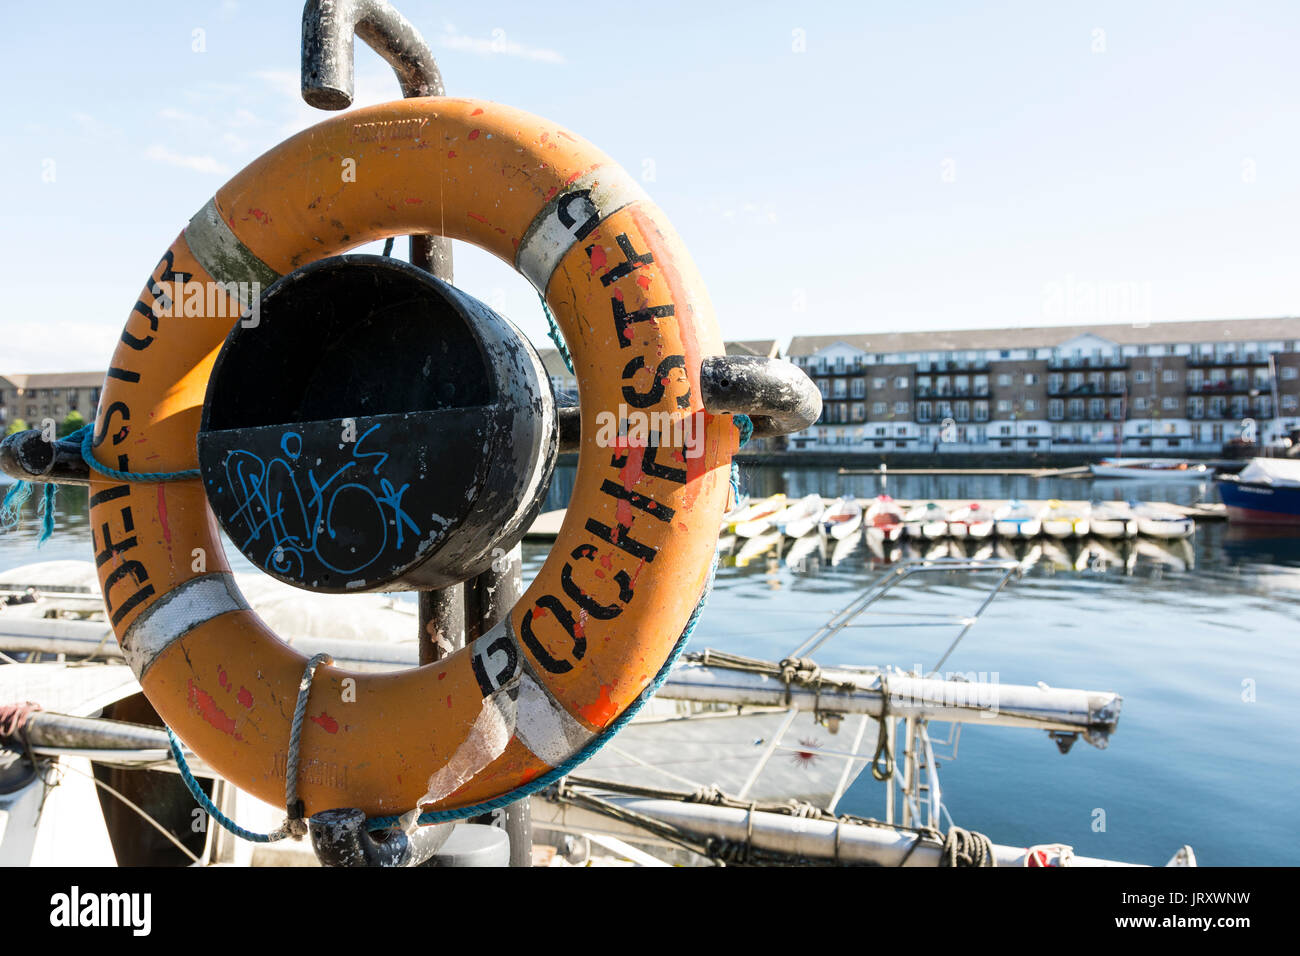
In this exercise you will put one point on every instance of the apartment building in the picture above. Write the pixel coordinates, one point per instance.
(53, 395)
(1171, 386)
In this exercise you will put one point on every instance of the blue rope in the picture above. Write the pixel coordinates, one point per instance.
(746, 427)
(593, 745)
(208, 806)
(554, 333)
(86, 436)
(17, 496)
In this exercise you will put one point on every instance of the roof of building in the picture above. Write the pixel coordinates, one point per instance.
(763, 347)
(56, 380)
(1147, 333)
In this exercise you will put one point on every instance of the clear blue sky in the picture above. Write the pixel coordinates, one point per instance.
(1162, 153)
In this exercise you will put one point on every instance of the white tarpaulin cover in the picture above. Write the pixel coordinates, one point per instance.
(1274, 471)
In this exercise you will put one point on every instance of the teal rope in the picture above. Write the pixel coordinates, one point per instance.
(745, 425)
(17, 496)
(554, 333)
(211, 808)
(87, 437)
(593, 745)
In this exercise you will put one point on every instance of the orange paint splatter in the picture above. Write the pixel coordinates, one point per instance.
(601, 712)
(202, 701)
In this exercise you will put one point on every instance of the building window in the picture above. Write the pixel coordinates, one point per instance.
(1169, 375)
(877, 383)
(1076, 408)
(922, 411)
(1116, 407)
(901, 408)
(859, 387)
(1169, 403)
(1288, 403)
(878, 408)
(1056, 408)
(963, 411)
(1289, 372)
(1031, 405)
(1141, 376)
(1096, 408)
(901, 382)
(1004, 379)
(1004, 405)
(1031, 378)
(1140, 404)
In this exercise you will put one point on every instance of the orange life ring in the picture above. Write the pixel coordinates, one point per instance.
(635, 549)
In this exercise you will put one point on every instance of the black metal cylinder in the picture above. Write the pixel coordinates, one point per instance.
(370, 428)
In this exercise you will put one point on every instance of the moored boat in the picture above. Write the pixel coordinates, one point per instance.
(884, 517)
(801, 517)
(929, 521)
(1015, 519)
(757, 517)
(1267, 491)
(1113, 519)
(1066, 520)
(971, 521)
(841, 519)
(1156, 521)
(1165, 469)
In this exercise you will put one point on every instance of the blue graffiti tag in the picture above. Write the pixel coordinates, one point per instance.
(295, 523)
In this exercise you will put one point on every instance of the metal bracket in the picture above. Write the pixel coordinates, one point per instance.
(27, 456)
(328, 28)
(340, 838)
(777, 395)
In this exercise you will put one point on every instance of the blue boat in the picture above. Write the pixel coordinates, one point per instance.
(1267, 491)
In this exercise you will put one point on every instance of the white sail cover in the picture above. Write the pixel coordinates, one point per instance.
(1273, 471)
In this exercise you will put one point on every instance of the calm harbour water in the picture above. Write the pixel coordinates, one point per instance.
(1187, 635)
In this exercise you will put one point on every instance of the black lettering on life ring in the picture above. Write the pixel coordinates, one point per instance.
(489, 684)
(656, 393)
(587, 209)
(650, 466)
(651, 507)
(631, 260)
(555, 606)
(112, 548)
(623, 319)
(141, 575)
(618, 536)
(601, 612)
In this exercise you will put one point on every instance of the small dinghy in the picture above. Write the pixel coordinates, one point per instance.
(757, 546)
(928, 521)
(1015, 519)
(1155, 521)
(884, 518)
(1062, 520)
(1164, 469)
(751, 521)
(841, 519)
(971, 521)
(1113, 520)
(801, 517)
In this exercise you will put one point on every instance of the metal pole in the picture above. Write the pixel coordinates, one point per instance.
(488, 598)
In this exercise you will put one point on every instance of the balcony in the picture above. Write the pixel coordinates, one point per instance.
(1227, 387)
(1114, 362)
(1086, 388)
(1235, 358)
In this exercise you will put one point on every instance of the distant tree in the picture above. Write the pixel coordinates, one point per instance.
(71, 423)
(17, 425)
